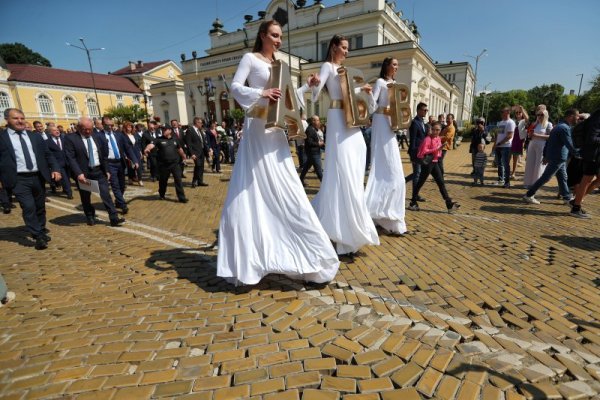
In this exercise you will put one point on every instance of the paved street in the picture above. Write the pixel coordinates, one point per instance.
(498, 301)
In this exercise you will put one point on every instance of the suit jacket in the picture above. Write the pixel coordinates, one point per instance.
(147, 139)
(416, 136)
(77, 155)
(123, 144)
(46, 162)
(57, 152)
(213, 142)
(311, 143)
(196, 145)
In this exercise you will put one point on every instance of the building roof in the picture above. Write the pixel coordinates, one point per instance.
(140, 68)
(64, 77)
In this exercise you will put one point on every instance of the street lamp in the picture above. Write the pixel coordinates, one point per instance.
(207, 90)
(484, 98)
(580, 80)
(85, 48)
(476, 58)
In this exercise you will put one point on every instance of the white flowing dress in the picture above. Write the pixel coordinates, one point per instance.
(386, 189)
(535, 154)
(340, 203)
(267, 224)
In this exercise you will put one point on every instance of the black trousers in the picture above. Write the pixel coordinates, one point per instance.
(198, 169)
(153, 164)
(216, 161)
(432, 169)
(166, 169)
(6, 197)
(86, 197)
(31, 195)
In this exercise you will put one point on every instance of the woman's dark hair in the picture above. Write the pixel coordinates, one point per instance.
(384, 67)
(263, 29)
(335, 41)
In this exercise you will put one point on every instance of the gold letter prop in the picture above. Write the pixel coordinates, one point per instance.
(285, 113)
(400, 115)
(356, 105)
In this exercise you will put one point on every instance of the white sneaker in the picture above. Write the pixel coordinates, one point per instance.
(530, 200)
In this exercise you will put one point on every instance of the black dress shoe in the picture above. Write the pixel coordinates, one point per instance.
(184, 200)
(70, 196)
(162, 197)
(421, 199)
(203, 184)
(194, 185)
(46, 230)
(91, 221)
(124, 210)
(41, 243)
(117, 222)
(6, 210)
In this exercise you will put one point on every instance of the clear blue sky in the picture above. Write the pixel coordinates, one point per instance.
(529, 42)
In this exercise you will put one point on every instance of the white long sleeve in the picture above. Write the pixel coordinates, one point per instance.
(324, 74)
(244, 95)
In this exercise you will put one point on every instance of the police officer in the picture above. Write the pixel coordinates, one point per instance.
(168, 154)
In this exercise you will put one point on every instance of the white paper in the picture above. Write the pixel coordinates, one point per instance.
(90, 186)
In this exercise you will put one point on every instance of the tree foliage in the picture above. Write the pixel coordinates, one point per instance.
(237, 114)
(18, 53)
(133, 113)
(590, 100)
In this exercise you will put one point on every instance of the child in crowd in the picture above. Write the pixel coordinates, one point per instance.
(479, 164)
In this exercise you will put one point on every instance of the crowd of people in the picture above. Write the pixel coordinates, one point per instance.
(268, 225)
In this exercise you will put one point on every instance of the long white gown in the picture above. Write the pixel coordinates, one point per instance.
(386, 189)
(340, 203)
(535, 154)
(267, 224)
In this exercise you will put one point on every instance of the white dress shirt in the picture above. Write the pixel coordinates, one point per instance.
(96, 155)
(16, 143)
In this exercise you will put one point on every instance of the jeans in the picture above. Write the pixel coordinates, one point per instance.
(312, 159)
(503, 156)
(416, 174)
(553, 168)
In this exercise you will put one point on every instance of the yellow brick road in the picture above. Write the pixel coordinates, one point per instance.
(498, 301)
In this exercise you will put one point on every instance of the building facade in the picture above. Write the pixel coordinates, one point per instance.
(461, 74)
(62, 96)
(375, 30)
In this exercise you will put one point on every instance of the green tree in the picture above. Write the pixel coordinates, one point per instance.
(551, 96)
(590, 100)
(18, 53)
(238, 114)
(133, 113)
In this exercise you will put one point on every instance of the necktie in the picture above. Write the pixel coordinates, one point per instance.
(28, 161)
(58, 143)
(90, 152)
(113, 144)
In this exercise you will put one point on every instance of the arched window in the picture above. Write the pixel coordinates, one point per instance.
(92, 108)
(4, 102)
(70, 106)
(45, 104)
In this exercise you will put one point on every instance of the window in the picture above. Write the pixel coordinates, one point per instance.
(92, 108)
(70, 106)
(119, 100)
(4, 102)
(136, 99)
(45, 104)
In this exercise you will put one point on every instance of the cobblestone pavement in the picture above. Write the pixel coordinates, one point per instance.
(497, 301)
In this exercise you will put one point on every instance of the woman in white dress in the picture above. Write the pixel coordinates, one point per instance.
(386, 189)
(267, 224)
(340, 203)
(535, 151)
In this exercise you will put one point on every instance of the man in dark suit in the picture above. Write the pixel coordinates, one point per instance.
(312, 149)
(148, 138)
(197, 149)
(56, 144)
(117, 147)
(417, 133)
(25, 161)
(179, 134)
(87, 158)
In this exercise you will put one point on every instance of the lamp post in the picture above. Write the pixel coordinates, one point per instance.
(476, 58)
(207, 90)
(484, 98)
(87, 51)
(580, 80)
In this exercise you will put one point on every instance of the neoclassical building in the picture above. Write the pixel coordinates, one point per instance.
(375, 30)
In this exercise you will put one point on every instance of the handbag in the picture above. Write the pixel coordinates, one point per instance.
(426, 160)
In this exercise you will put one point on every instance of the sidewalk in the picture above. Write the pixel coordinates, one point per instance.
(498, 301)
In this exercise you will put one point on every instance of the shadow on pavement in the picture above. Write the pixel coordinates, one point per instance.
(579, 242)
(17, 235)
(201, 268)
(69, 220)
(520, 210)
